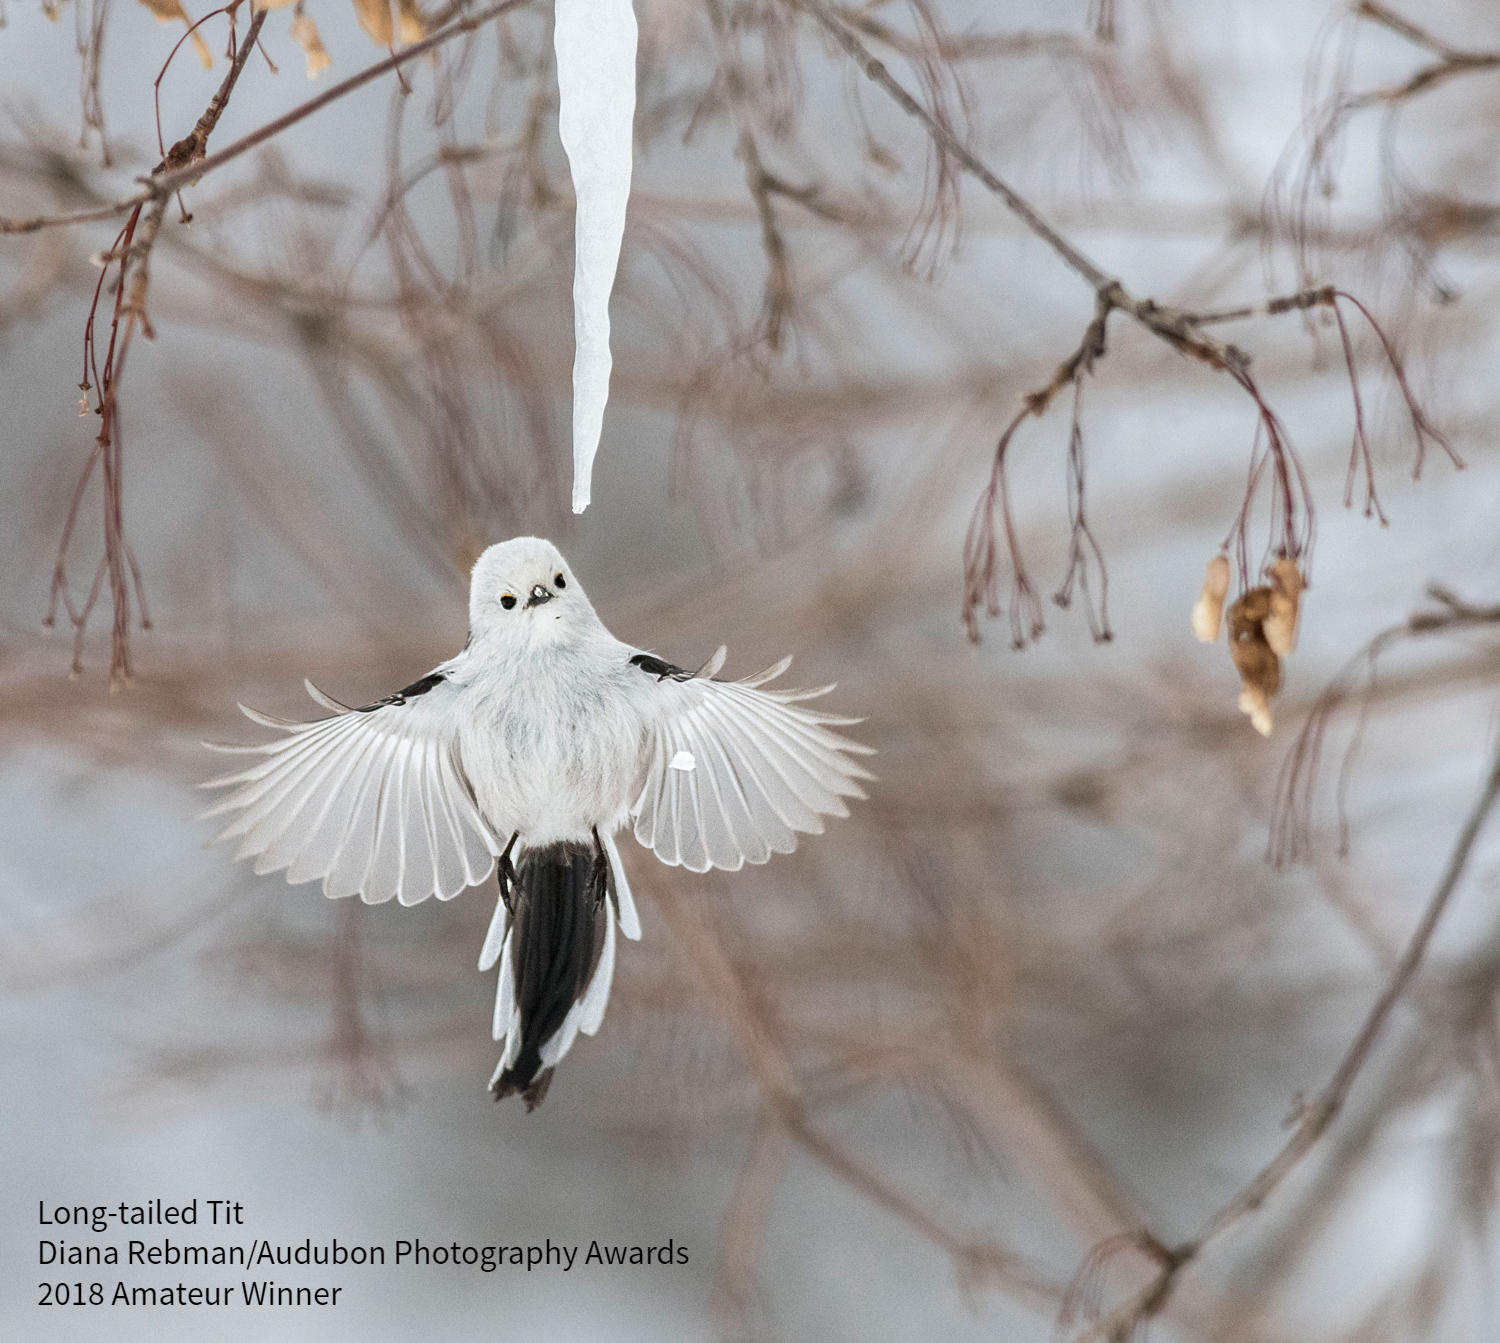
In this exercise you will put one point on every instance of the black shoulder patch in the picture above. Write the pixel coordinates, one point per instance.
(413, 691)
(663, 671)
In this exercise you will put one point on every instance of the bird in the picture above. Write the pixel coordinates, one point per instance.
(524, 755)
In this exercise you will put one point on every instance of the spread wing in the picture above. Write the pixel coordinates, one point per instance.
(372, 801)
(733, 771)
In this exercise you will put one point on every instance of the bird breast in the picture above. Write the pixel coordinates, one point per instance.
(553, 749)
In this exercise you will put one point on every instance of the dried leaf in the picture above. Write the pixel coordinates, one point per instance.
(171, 11)
(305, 35)
(1257, 664)
(1281, 627)
(375, 18)
(1254, 658)
(409, 21)
(1286, 598)
(167, 10)
(1255, 703)
(1208, 613)
(272, 4)
(1247, 613)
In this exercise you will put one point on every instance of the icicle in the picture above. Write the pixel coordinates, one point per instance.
(595, 41)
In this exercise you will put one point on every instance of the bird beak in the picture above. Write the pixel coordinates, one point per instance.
(539, 595)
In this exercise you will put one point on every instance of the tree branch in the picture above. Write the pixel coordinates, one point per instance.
(977, 1259)
(776, 305)
(1172, 325)
(1315, 1117)
(176, 176)
(1450, 60)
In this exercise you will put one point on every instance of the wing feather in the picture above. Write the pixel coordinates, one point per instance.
(372, 801)
(448, 832)
(758, 757)
(330, 824)
(762, 768)
(285, 817)
(747, 838)
(789, 761)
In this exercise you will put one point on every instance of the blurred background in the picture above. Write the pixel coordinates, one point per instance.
(963, 1066)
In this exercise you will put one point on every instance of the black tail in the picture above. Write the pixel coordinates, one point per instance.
(556, 897)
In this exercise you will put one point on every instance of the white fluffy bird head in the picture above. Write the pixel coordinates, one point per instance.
(522, 589)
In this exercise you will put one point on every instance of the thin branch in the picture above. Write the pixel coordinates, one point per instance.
(332, 94)
(1303, 299)
(776, 306)
(1450, 61)
(1403, 27)
(93, 214)
(875, 71)
(164, 183)
(1316, 1116)
(131, 253)
(183, 164)
(1291, 818)
(976, 45)
(977, 1259)
(1303, 199)
(1169, 324)
(749, 1209)
(1292, 518)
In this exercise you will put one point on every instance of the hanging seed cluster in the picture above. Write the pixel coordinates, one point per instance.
(1262, 630)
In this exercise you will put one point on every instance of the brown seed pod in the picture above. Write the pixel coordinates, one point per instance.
(305, 34)
(168, 10)
(1254, 658)
(1246, 615)
(1286, 599)
(1208, 613)
(1255, 703)
(1257, 663)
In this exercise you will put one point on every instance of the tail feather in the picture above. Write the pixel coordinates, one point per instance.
(619, 891)
(557, 959)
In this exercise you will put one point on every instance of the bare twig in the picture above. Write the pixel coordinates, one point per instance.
(1316, 1116)
(1451, 61)
(93, 214)
(1312, 181)
(1177, 327)
(977, 1259)
(131, 256)
(1292, 513)
(973, 45)
(749, 1208)
(1171, 325)
(776, 306)
(1291, 820)
(162, 183)
(183, 164)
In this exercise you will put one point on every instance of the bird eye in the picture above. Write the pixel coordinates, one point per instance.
(507, 601)
(560, 581)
